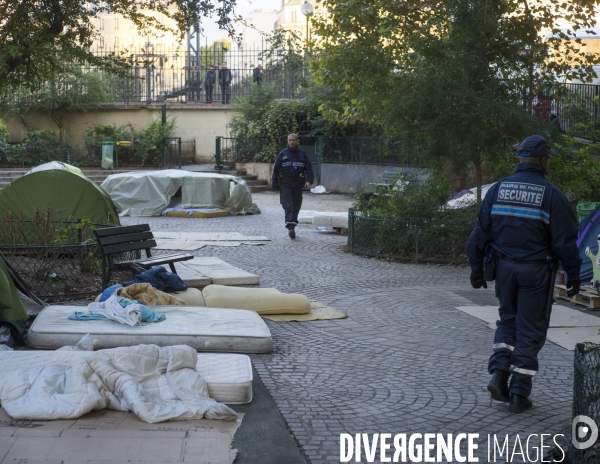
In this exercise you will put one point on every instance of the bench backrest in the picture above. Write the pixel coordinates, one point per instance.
(122, 239)
(389, 174)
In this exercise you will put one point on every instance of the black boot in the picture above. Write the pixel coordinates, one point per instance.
(498, 386)
(292, 233)
(519, 404)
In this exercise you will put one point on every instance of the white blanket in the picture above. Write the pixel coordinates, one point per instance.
(157, 384)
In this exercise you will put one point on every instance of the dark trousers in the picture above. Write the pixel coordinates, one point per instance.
(522, 290)
(291, 201)
(226, 94)
(209, 92)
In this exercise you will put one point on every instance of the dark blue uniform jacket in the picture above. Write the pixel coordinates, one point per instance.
(292, 168)
(526, 218)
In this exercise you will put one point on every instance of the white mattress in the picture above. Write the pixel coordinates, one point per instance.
(205, 329)
(228, 376)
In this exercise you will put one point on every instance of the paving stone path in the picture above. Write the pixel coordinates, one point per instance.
(404, 361)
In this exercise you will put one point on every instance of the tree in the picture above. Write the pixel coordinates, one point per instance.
(37, 36)
(452, 75)
(72, 91)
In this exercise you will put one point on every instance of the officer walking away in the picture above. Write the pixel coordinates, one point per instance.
(291, 173)
(225, 83)
(526, 223)
(209, 83)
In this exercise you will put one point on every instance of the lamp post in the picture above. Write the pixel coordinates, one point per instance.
(307, 10)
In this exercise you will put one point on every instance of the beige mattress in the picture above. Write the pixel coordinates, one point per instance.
(262, 300)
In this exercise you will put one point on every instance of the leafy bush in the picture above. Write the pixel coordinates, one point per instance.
(575, 172)
(407, 222)
(146, 148)
(38, 147)
(4, 135)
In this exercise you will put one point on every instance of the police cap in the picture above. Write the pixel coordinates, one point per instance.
(535, 146)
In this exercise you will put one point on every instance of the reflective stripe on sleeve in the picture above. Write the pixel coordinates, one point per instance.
(498, 346)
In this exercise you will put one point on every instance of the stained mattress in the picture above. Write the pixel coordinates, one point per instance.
(205, 329)
(228, 376)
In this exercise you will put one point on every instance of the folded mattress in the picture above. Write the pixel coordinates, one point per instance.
(228, 376)
(205, 329)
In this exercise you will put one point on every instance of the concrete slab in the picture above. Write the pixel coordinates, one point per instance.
(331, 219)
(561, 316)
(306, 216)
(218, 271)
(568, 337)
(567, 326)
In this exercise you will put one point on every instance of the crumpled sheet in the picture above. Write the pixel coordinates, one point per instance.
(148, 295)
(120, 310)
(156, 383)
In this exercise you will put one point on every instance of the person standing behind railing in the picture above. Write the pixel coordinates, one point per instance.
(209, 84)
(225, 83)
(257, 74)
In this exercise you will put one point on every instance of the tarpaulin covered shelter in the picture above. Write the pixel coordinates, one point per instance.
(149, 193)
(66, 192)
(588, 237)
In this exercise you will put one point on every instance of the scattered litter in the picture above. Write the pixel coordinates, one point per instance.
(318, 189)
(321, 229)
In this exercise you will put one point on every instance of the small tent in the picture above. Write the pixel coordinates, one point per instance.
(65, 191)
(588, 237)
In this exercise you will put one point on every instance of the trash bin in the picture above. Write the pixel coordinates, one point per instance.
(108, 155)
(585, 207)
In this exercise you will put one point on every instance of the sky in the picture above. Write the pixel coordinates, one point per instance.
(244, 7)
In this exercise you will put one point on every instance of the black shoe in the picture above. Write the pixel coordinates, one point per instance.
(519, 404)
(292, 233)
(498, 386)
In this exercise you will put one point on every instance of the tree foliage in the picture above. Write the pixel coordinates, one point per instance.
(452, 76)
(73, 91)
(36, 36)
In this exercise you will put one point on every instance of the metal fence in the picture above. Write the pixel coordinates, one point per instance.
(58, 260)
(586, 402)
(157, 74)
(440, 239)
(572, 107)
(320, 149)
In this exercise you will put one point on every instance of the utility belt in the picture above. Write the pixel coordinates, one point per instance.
(492, 257)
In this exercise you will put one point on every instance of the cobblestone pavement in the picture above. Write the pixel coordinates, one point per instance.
(404, 361)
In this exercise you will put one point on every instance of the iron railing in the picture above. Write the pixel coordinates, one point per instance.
(173, 75)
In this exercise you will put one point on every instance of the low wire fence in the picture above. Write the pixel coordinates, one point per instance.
(58, 260)
(440, 239)
(586, 402)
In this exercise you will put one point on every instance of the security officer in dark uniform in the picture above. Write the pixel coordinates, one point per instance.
(526, 222)
(291, 173)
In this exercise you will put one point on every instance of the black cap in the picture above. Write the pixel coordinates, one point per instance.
(535, 146)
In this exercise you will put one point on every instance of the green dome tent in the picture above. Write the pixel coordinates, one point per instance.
(69, 194)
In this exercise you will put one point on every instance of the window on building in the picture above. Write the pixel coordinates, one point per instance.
(116, 41)
(116, 23)
(293, 16)
(131, 24)
(101, 24)
(101, 42)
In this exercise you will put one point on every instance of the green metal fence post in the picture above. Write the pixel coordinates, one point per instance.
(380, 150)
(319, 157)
(351, 149)
(179, 148)
(218, 153)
